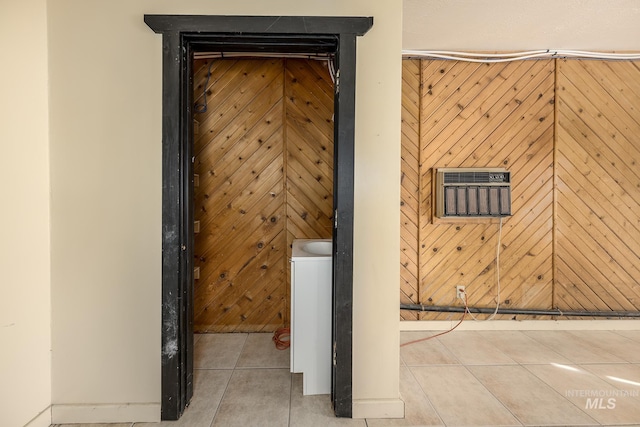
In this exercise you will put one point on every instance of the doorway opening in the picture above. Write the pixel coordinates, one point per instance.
(182, 36)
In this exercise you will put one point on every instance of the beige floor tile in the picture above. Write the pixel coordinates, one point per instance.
(572, 347)
(625, 377)
(218, 351)
(433, 394)
(208, 389)
(260, 352)
(256, 397)
(470, 348)
(418, 411)
(634, 335)
(312, 411)
(590, 393)
(460, 399)
(621, 375)
(430, 352)
(521, 348)
(196, 337)
(623, 347)
(528, 397)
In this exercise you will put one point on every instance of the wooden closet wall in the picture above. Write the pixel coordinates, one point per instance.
(264, 176)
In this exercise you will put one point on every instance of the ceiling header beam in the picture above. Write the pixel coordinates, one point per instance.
(259, 24)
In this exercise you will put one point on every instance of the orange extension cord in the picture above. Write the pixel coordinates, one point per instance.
(282, 338)
(466, 310)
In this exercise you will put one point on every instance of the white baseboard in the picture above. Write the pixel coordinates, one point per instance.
(43, 419)
(378, 408)
(522, 325)
(115, 413)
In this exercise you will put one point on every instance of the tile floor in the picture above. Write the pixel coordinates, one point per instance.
(465, 378)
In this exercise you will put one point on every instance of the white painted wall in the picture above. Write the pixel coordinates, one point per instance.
(105, 99)
(25, 302)
(105, 74)
(508, 25)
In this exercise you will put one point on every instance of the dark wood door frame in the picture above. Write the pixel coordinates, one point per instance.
(183, 34)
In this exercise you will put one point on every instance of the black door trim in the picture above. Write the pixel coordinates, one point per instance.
(183, 34)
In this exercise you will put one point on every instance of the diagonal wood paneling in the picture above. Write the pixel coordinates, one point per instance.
(240, 199)
(598, 220)
(309, 149)
(410, 184)
(574, 172)
(264, 157)
(487, 115)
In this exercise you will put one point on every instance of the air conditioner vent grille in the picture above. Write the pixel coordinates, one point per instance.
(475, 177)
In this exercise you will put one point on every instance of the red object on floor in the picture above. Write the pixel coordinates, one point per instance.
(282, 338)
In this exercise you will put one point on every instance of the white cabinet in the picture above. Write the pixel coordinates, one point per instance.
(311, 314)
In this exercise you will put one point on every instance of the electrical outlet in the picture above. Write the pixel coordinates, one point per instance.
(460, 291)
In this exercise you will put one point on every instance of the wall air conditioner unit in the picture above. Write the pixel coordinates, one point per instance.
(472, 192)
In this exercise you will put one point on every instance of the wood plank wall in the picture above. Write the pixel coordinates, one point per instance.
(264, 160)
(598, 186)
(569, 132)
(411, 206)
